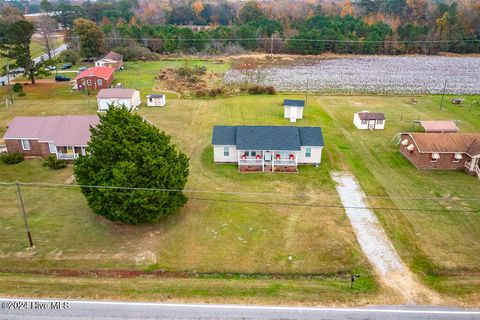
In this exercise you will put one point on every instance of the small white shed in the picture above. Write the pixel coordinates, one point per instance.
(369, 120)
(118, 97)
(156, 100)
(293, 109)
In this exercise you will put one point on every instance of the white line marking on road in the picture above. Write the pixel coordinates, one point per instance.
(246, 307)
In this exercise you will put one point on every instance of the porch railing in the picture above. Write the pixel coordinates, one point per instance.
(67, 156)
(250, 162)
(284, 162)
(468, 165)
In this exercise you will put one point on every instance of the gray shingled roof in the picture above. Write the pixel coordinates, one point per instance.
(311, 136)
(371, 116)
(224, 135)
(267, 137)
(294, 103)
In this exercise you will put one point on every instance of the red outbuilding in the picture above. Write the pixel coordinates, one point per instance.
(95, 78)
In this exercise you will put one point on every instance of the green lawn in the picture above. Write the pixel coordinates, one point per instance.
(202, 290)
(438, 244)
(256, 233)
(206, 236)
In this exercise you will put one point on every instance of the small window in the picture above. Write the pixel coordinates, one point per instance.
(99, 81)
(457, 157)
(379, 121)
(254, 153)
(25, 144)
(246, 154)
(52, 148)
(226, 151)
(308, 152)
(435, 157)
(89, 82)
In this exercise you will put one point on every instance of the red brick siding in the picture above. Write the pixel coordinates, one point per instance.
(36, 148)
(94, 86)
(424, 160)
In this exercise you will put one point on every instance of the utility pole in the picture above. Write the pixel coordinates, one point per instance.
(25, 220)
(8, 83)
(271, 45)
(86, 91)
(443, 94)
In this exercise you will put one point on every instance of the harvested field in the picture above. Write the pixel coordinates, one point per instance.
(368, 74)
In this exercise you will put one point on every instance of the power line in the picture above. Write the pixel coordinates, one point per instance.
(72, 186)
(336, 206)
(289, 39)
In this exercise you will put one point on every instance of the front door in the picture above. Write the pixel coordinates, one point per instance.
(371, 125)
(267, 156)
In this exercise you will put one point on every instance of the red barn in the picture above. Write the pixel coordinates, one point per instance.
(95, 78)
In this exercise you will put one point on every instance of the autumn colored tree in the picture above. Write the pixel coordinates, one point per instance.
(197, 7)
(91, 36)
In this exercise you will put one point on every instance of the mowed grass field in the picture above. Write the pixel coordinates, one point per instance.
(258, 234)
(438, 238)
(435, 217)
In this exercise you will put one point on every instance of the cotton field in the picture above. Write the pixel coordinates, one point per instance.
(378, 74)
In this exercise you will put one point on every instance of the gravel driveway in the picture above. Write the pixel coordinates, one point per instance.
(376, 245)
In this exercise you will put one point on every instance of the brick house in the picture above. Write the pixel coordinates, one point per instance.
(66, 137)
(442, 151)
(112, 59)
(95, 78)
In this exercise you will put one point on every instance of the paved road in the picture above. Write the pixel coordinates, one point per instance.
(80, 310)
(58, 50)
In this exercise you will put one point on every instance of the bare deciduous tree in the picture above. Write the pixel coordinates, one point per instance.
(46, 28)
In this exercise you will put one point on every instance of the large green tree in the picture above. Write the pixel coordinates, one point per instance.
(16, 47)
(125, 151)
(91, 36)
(250, 12)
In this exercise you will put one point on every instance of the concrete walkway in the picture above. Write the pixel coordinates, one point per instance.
(377, 246)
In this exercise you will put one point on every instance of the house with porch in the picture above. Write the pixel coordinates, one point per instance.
(66, 137)
(365, 120)
(442, 151)
(267, 148)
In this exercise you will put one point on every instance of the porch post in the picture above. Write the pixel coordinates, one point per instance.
(272, 152)
(263, 161)
(296, 159)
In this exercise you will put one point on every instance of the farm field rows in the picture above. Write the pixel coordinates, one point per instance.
(238, 233)
(366, 74)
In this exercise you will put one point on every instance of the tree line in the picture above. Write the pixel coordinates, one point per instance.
(140, 29)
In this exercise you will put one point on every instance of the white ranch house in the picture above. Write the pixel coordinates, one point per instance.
(293, 109)
(156, 100)
(118, 97)
(369, 120)
(267, 148)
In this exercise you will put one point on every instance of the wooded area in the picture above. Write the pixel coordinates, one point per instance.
(300, 27)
